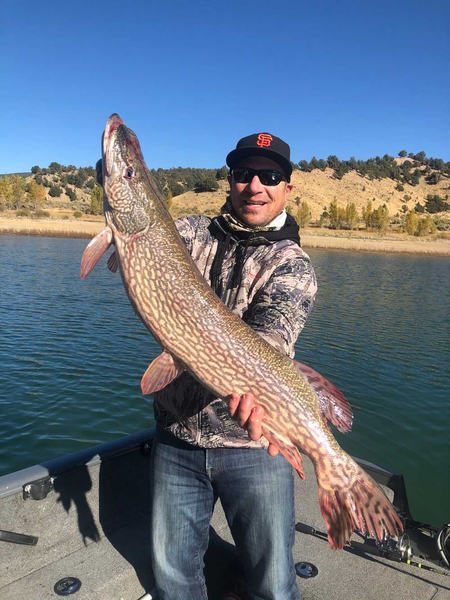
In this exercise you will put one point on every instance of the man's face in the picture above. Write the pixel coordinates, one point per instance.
(255, 204)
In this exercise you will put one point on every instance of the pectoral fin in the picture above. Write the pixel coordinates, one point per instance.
(112, 263)
(162, 371)
(333, 404)
(285, 446)
(95, 250)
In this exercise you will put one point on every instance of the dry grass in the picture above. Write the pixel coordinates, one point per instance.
(52, 227)
(311, 237)
(434, 247)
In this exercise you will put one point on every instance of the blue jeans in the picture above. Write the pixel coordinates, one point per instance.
(257, 495)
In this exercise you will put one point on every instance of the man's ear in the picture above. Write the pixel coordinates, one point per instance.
(289, 187)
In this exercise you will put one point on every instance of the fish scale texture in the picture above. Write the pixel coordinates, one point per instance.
(277, 317)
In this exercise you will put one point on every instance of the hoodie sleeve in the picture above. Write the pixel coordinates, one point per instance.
(280, 309)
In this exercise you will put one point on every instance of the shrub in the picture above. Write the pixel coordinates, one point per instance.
(222, 173)
(411, 223)
(337, 215)
(303, 214)
(435, 204)
(425, 226)
(399, 187)
(23, 212)
(442, 223)
(55, 191)
(40, 214)
(77, 214)
(72, 195)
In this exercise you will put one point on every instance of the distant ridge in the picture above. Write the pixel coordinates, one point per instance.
(19, 174)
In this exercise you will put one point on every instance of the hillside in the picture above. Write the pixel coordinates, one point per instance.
(319, 188)
(401, 184)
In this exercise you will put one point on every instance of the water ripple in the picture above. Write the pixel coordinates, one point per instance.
(73, 353)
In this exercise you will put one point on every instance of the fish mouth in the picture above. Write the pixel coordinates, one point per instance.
(112, 124)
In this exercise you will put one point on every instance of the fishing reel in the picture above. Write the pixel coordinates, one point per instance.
(425, 542)
(443, 544)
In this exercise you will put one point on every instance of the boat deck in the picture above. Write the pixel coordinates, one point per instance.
(94, 526)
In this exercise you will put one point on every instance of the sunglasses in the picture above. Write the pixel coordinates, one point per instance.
(266, 176)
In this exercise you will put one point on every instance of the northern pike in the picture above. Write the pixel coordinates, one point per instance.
(198, 333)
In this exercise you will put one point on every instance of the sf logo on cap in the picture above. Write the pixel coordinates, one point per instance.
(264, 140)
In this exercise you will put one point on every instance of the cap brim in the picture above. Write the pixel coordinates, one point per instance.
(235, 156)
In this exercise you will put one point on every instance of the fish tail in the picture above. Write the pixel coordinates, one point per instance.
(361, 505)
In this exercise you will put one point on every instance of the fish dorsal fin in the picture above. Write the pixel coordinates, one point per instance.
(112, 263)
(162, 371)
(284, 445)
(333, 404)
(95, 250)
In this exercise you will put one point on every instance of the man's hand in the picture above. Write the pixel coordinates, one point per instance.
(99, 172)
(249, 416)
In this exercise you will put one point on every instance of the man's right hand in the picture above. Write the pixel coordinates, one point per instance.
(249, 416)
(99, 171)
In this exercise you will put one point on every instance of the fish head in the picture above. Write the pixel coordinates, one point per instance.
(131, 199)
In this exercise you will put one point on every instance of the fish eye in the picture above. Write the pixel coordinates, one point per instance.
(129, 173)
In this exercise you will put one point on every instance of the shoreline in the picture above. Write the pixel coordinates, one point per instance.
(310, 239)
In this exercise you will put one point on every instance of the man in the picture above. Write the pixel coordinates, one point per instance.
(251, 255)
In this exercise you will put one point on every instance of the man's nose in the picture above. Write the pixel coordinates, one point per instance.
(255, 185)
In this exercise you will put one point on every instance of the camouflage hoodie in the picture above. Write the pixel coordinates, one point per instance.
(265, 279)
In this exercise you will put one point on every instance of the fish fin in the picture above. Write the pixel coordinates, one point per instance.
(333, 404)
(113, 263)
(162, 371)
(285, 446)
(363, 507)
(95, 250)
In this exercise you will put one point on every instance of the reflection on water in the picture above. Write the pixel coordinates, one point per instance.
(73, 353)
(380, 330)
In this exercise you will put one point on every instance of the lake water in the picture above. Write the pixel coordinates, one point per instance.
(72, 354)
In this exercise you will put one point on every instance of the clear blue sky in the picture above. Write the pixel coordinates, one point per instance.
(351, 78)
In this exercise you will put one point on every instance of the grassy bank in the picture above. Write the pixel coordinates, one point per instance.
(358, 241)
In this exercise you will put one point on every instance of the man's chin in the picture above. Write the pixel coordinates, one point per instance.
(252, 220)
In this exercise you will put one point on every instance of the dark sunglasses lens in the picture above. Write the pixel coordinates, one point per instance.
(270, 177)
(242, 175)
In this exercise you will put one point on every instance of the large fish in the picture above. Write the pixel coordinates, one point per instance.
(199, 334)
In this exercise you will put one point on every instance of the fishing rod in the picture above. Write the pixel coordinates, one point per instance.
(400, 551)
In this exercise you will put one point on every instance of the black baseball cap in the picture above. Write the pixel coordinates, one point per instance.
(262, 144)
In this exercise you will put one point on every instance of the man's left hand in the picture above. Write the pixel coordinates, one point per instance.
(249, 416)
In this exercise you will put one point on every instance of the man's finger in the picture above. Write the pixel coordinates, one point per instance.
(245, 408)
(233, 404)
(272, 450)
(254, 423)
(99, 171)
